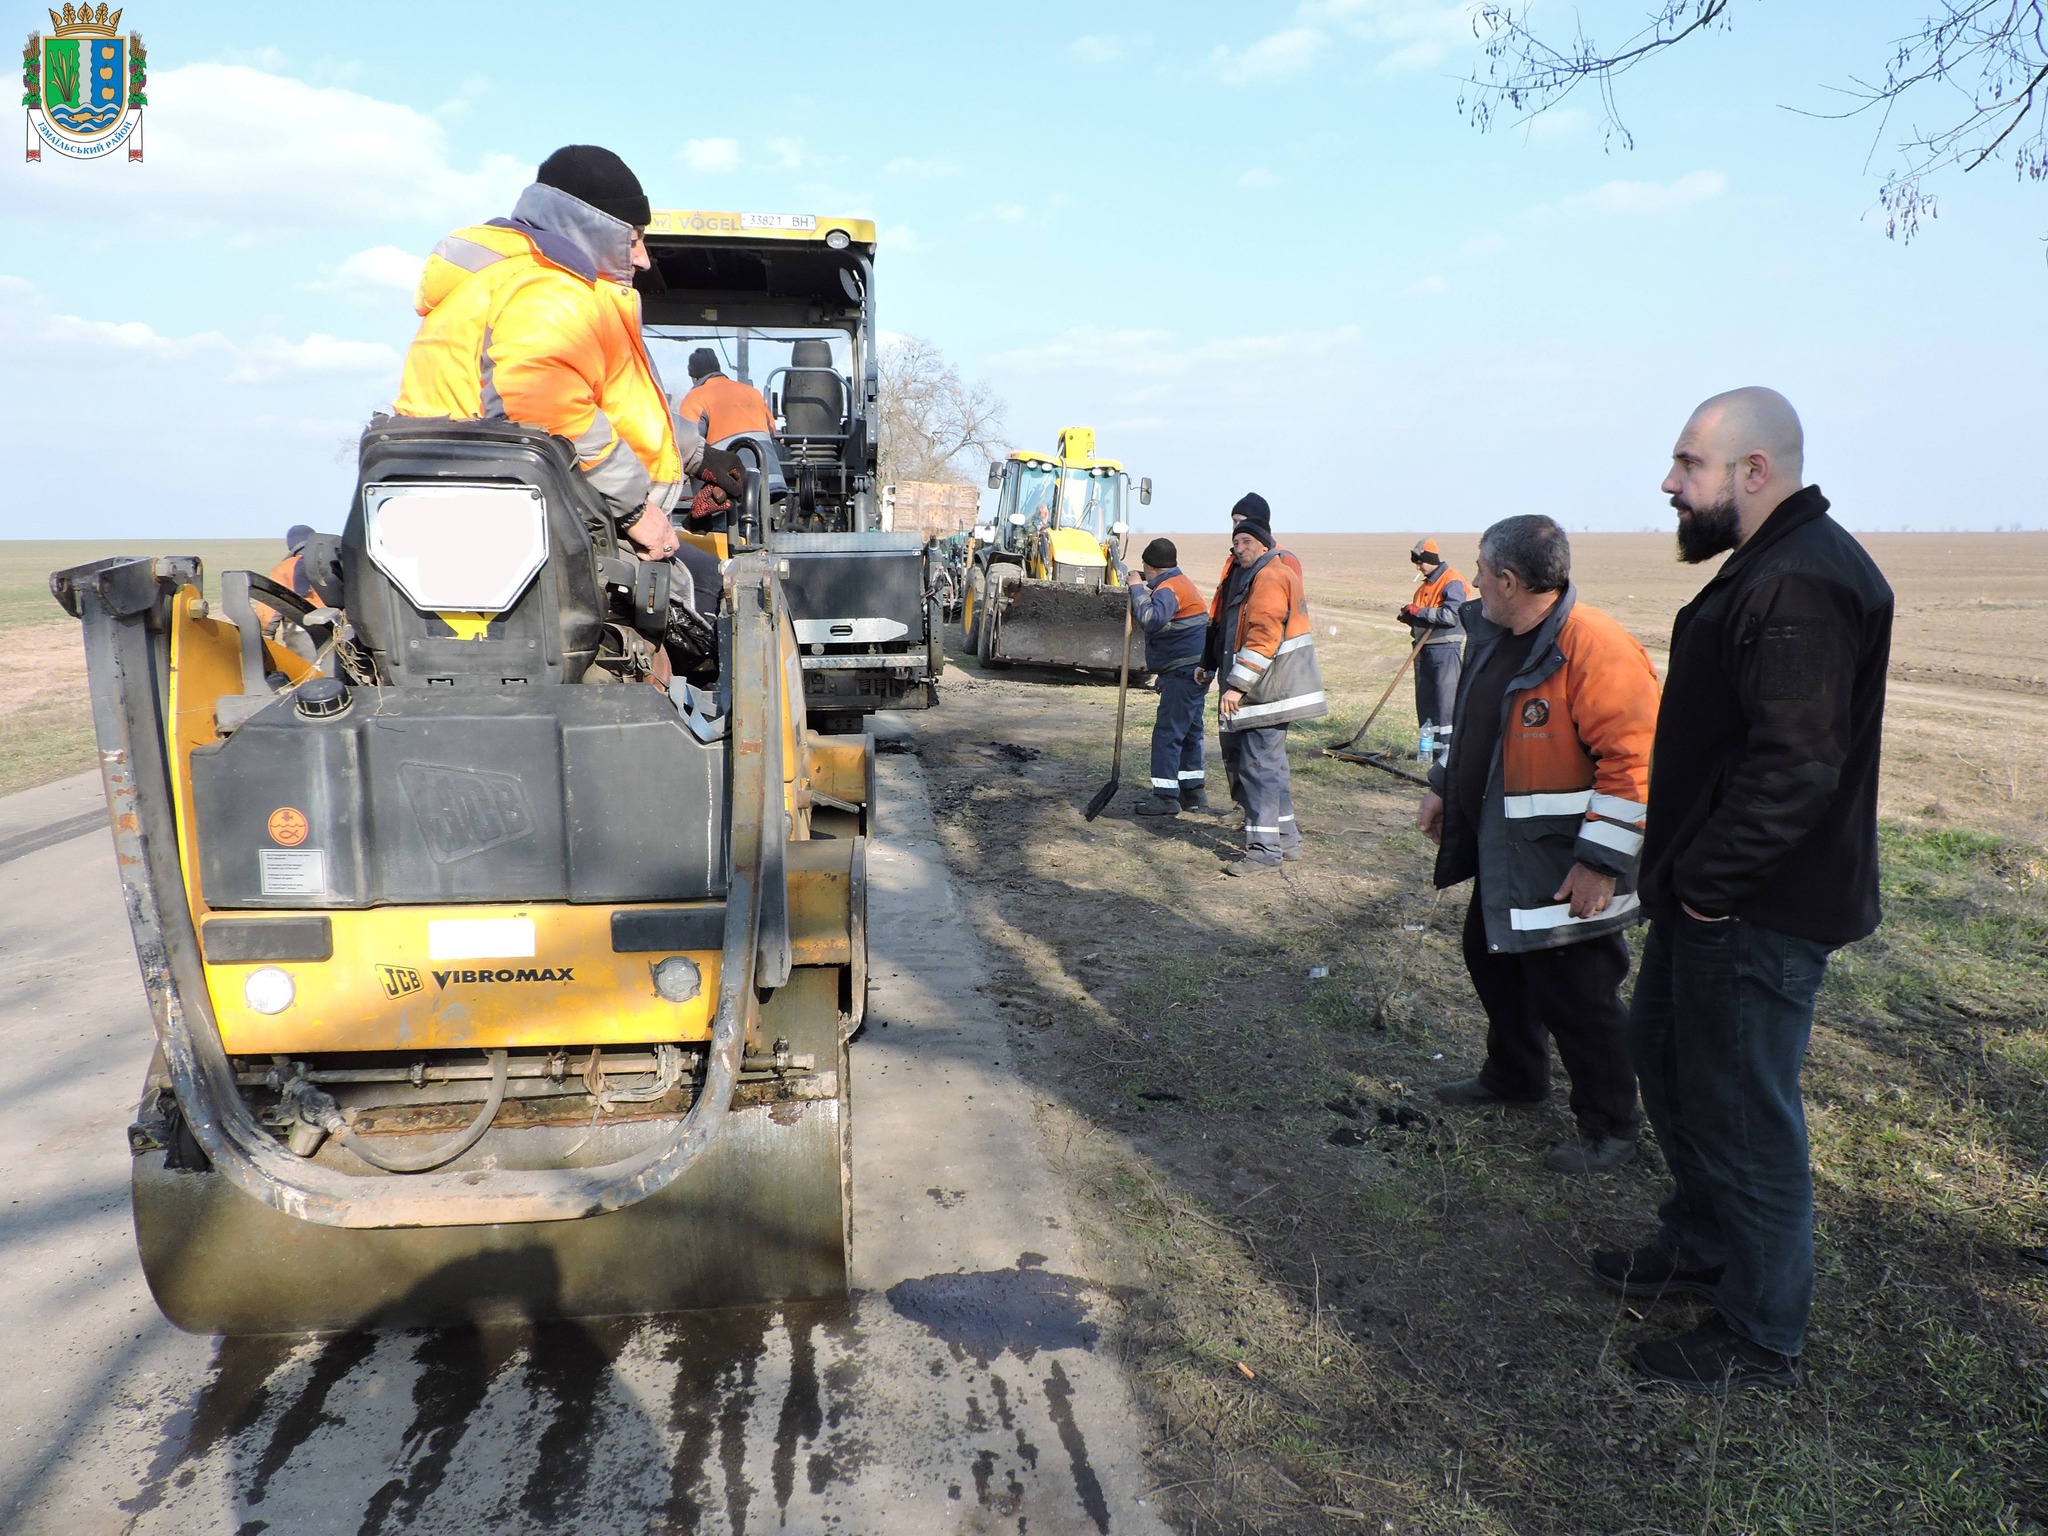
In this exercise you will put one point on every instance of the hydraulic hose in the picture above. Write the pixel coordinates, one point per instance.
(432, 1157)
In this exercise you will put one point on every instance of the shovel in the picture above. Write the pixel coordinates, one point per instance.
(1116, 761)
(1399, 673)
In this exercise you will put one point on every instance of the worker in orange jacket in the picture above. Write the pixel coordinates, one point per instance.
(1260, 643)
(534, 319)
(1175, 620)
(721, 407)
(1542, 805)
(1433, 613)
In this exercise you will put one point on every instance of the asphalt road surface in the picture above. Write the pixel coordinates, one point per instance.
(961, 1391)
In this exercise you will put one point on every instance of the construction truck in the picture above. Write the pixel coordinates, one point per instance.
(1042, 583)
(488, 980)
(790, 299)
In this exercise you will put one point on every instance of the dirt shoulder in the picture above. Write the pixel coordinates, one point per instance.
(1348, 1310)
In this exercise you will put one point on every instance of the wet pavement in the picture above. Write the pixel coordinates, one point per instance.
(962, 1390)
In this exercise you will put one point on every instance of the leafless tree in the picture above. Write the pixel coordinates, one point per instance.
(935, 425)
(1990, 56)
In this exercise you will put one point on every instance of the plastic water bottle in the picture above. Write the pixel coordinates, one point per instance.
(1425, 741)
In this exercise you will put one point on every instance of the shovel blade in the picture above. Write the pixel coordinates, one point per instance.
(1102, 798)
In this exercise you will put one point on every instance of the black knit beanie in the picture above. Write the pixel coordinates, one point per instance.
(1161, 555)
(600, 178)
(703, 361)
(1253, 505)
(1258, 528)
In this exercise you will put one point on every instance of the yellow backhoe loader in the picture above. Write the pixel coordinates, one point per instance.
(1041, 584)
(489, 979)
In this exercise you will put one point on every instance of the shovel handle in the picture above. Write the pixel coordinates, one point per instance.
(1399, 672)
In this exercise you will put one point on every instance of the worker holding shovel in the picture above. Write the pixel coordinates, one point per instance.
(1176, 624)
(1433, 624)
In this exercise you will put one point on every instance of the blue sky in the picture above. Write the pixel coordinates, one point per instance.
(1255, 247)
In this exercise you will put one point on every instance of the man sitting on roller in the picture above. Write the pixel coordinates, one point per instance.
(533, 319)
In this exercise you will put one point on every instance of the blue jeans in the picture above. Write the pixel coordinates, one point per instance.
(1718, 1031)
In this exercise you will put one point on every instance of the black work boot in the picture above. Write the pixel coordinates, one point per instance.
(1196, 799)
(1158, 805)
(1644, 1274)
(1713, 1358)
(1591, 1153)
(1473, 1091)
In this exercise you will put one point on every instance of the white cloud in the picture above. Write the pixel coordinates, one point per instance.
(382, 275)
(899, 238)
(1557, 124)
(789, 153)
(1415, 34)
(924, 170)
(1422, 55)
(711, 156)
(270, 360)
(1481, 246)
(1001, 213)
(263, 154)
(1641, 197)
(1286, 52)
(1098, 49)
(1432, 284)
(1258, 178)
(279, 413)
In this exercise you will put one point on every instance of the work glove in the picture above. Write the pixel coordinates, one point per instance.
(1407, 614)
(723, 469)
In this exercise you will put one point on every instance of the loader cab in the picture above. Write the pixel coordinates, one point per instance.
(787, 302)
(1063, 515)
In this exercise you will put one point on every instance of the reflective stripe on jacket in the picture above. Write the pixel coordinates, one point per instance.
(1175, 621)
(533, 319)
(726, 407)
(1570, 778)
(1273, 659)
(1437, 602)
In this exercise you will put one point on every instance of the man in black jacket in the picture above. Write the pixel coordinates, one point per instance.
(1760, 857)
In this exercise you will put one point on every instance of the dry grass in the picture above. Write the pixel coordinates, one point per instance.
(45, 720)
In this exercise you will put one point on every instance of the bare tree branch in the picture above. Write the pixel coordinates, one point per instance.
(1991, 56)
(932, 419)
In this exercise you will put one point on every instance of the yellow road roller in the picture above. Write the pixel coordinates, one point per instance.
(498, 970)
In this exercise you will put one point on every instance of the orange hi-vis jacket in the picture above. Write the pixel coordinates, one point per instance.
(1175, 621)
(727, 407)
(1436, 602)
(1570, 779)
(534, 320)
(1271, 657)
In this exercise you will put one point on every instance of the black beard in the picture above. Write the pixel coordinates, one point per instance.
(1704, 532)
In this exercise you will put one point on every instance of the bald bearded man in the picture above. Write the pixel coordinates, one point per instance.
(1759, 859)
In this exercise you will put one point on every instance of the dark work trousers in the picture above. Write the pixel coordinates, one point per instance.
(1573, 994)
(1177, 735)
(1718, 1030)
(1256, 763)
(1436, 687)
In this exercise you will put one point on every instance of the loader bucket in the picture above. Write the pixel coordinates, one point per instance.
(1050, 624)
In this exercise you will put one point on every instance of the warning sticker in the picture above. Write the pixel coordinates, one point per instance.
(293, 871)
(288, 827)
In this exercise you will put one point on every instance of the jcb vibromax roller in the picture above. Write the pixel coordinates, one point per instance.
(488, 979)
